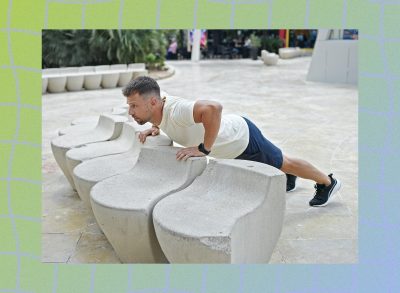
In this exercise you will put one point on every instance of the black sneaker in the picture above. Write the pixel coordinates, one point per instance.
(324, 193)
(290, 182)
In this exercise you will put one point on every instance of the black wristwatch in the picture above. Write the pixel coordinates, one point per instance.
(202, 149)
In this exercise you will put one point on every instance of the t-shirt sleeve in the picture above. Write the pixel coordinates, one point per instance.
(182, 113)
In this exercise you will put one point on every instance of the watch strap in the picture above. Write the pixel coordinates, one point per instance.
(202, 149)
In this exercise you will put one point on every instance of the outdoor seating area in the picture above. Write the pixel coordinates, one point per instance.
(115, 191)
(57, 80)
(125, 193)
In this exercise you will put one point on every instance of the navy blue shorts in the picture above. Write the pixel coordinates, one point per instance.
(261, 149)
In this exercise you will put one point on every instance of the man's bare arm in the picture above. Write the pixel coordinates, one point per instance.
(208, 113)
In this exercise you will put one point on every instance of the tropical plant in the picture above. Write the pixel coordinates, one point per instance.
(86, 47)
(271, 44)
(65, 48)
(255, 41)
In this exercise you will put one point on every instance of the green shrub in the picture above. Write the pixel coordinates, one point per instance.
(96, 47)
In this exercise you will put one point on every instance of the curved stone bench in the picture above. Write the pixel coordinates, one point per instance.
(92, 80)
(287, 53)
(92, 171)
(44, 84)
(85, 120)
(109, 79)
(121, 144)
(139, 69)
(232, 213)
(57, 80)
(75, 81)
(270, 59)
(56, 84)
(84, 124)
(125, 75)
(108, 128)
(123, 204)
(77, 129)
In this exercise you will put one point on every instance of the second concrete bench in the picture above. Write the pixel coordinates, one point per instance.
(232, 213)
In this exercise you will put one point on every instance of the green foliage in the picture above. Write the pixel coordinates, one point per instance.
(65, 48)
(154, 61)
(96, 47)
(255, 41)
(271, 44)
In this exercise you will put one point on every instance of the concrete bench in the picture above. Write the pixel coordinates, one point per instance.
(123, 204)
(121, 144)
(268, 58)
(139, 69)
(84, 124)
(288, 53)
(77, 129)
(108, 128)
(44, 85)
(57, 80)
(125, 75)
(92, 171)
(232, 213)
(109, 78)
(56, 83)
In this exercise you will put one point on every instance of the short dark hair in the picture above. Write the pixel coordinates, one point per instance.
(143, 85)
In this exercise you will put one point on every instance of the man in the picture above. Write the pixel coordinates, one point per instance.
(203, 130)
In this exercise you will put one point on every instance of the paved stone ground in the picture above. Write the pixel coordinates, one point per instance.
(314, 121)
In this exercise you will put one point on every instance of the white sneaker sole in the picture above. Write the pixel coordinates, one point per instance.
(334, 190)
(292, 190)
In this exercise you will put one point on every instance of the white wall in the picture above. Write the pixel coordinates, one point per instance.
(334, 61)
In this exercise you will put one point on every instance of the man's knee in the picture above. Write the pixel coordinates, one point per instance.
(287, 164)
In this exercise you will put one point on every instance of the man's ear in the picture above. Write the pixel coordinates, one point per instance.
(153, 101)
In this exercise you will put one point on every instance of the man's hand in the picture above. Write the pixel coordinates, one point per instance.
(152, 131)
(186, 153)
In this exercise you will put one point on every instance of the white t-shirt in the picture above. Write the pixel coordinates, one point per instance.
(178, 123)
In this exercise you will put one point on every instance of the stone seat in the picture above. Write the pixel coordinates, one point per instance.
(123, 204)
(109, 127)
(86, 152)
(85, 120)
(288, 53)
(92, 81)
(44, 84)
(56, 83)
(269, 59)
(84, 124)
(232, 213)
(138, 69)
(125, 75)
(92, 171)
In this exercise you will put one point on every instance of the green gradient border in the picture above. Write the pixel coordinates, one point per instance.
(21, 22)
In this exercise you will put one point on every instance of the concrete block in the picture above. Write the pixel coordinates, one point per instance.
(270, 59)
(92, 81)
(123, 204)
(75, 82)
(108, 128)
(288, 53)
(232, 213)
(56, 83)
(44, 85)
(109, 79)
(121, 144)
(92, 171)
